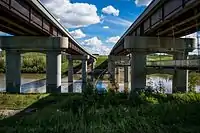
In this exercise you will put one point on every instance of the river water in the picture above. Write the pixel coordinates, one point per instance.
(36, 83)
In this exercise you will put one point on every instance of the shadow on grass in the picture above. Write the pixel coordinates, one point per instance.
(144, 113)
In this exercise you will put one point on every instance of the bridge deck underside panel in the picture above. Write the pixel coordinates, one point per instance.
(23, 18)
(172, 18)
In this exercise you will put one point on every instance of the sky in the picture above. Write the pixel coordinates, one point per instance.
(96, 24)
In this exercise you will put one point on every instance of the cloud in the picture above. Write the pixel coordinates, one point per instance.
(106, 27)
(95, 46)
(118, 21)
(142, 2)
(113, 39)
(78, 33)
(194, 36)
(72, 15)
(110, 10)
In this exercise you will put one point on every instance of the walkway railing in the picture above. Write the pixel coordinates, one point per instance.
(191, 63)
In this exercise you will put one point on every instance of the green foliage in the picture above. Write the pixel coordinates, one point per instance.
(194, 79)
(100, 60)
(109, 113)
(34, 63)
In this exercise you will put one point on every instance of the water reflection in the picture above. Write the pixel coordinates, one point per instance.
(36, 83)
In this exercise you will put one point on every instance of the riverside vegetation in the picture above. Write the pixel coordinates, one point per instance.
(141, 112)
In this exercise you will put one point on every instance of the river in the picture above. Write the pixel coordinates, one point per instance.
(36, 83)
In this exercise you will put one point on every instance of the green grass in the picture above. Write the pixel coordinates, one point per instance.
(34, 63)
(110, 113)
(18, 101)
(159, 57)
(100, 60)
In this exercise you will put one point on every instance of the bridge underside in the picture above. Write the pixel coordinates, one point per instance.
(25, 18)
(172, 18)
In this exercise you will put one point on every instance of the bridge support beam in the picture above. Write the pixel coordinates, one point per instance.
(84, 73)
(117, 69)
(13, 71)
(111, 69)
(180, 77)
(92, 70)
(53, 82)
(138, 74)
(70, 74)
(126, 79)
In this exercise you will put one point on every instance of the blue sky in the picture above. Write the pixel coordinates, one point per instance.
(96, 24)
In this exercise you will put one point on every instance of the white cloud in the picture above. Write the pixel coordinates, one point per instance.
(95, 46)
(142, 2)
(110, 10)
(106, 27)
(113, 39)
(194, 36)
(118, 21)
(78, 33)
(73, 15)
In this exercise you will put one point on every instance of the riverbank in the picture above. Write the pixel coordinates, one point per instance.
(109, 113)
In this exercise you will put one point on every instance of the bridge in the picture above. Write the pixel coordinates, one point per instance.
(35, 29)
(158, 30)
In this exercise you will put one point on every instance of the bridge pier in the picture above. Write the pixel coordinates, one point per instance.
(180, 77)
(111, 69)
(117, 71)
(126, 79)
(13, 71)
(138, 67)
(70, 73)
(92, 71)
(53, 82)
(84, 73)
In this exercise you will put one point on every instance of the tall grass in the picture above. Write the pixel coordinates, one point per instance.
(111, 113)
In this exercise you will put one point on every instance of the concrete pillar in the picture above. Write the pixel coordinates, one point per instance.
(70, 73)
(84, 73)
(53, 83)
(138, 68)
(117, 74)
(111, 69)
(180, 77)
(13, 71)
(92, 71)
(126, 79)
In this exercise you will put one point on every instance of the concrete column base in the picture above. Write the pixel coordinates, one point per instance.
(126, 79)
(180, 77)
(138, 71)
(84, 74)
(13, 71)
(180, 81)
(70, 74)
(53, 83)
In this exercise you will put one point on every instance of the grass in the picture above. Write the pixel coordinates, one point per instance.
(159, 57)
(18, 101)
(110, 113)
(100, 60)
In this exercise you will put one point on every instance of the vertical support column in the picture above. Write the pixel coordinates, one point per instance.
(13, 71)
(138, 68)
(125, 79)
(92, 71)
(180, 77)
(53, 83)
(111, 69)
(117, 74)
(70, 73)
(84, 73)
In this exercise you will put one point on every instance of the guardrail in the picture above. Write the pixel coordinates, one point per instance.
(175, 63)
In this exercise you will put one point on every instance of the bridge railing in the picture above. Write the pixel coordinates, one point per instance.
(175, 63)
